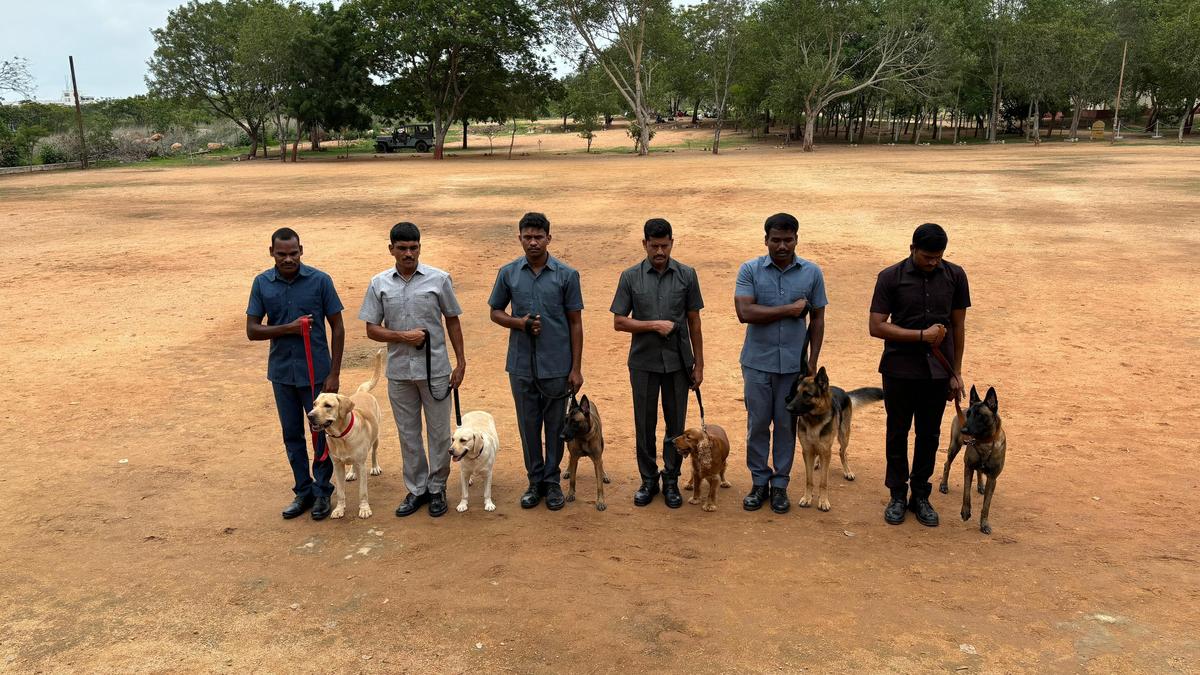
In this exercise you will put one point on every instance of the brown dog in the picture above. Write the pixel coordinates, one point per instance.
(986, 445)
(709, 448)
(585, 438)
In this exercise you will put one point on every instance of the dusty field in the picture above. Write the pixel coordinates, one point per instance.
(146, 474)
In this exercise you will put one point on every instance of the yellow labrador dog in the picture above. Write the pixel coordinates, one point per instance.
(351, 426)
(475, 444)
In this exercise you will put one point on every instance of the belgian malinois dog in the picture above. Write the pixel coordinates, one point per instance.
(985, 441)
(823, 412)
(585, 438)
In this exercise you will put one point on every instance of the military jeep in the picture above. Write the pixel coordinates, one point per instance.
(416, 136)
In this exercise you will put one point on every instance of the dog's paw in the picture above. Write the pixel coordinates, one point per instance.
(364, 510)
(709, 507)
(726, 484)
(979, 488)
(966, 514)
(462, 507)
(693, 500)
(823, 504)
(566, 475)
(985, 528)
(570, 496)
(944, 488)
(600, 506)
(489, 505)
(607, 479)
(805, 501)
(375, 470)
(350, 475)
(339, 511)
(848, 475)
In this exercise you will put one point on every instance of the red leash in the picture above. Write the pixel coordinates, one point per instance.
(306, 333)
(937, 354)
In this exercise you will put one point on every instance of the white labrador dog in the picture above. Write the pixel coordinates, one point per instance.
(475, 444)
(351, 426)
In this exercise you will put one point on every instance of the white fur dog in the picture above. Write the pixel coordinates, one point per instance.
(475, 444)
(351, 426)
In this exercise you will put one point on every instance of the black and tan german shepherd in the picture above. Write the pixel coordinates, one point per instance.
(986, 443)
(585, 438)
(822, 413)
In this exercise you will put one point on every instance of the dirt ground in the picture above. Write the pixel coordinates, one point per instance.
(146, 472)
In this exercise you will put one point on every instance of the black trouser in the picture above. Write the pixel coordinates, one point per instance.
(906, 400)
(646, 387)
(293, 403)
(538, 415)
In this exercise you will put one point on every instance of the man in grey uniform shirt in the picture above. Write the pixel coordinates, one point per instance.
(401, 304)
(547, 316)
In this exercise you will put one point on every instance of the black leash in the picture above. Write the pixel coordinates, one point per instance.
(533, 368)
(429, 379)
(688, 372)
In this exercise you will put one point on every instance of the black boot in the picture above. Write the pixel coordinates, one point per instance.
(924, 510)
(670, 491)
(779, 500)
(532, 496)
(645, 494)
(754, 500)
(894, 513)
(298, 506)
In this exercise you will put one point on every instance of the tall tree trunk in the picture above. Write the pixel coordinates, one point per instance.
(696, 112)
(512, 139)
(937, 124)
(809, 129)
(1183, 119)
(314, 137)
(440, 127)
(767, 124)
(296, 143)
(464, 134)
(716, 146)
(1077, 109)
(564, 123)
(916, 137)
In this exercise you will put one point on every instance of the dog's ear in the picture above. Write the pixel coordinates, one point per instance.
(990, 399)
(477, 442)
(974, 395)
(822, 378)
(585, 405)
(345, 405)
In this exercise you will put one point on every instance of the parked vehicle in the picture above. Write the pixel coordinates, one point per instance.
(416, 136)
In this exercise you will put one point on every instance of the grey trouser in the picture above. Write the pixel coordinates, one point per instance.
(769, 432)
(536, 413)
(646, 386)
(409, 398)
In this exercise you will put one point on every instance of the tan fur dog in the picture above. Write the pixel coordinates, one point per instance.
(709, 449)
(351, 426)
(986, 446)
(585, 438)
(475, 444)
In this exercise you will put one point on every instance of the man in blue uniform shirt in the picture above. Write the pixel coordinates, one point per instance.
(284, 295)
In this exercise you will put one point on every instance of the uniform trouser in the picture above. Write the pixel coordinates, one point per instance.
(292, 404)
(646, 387)
(905, 401)
(770, 436)
(409, 399)
(538, 414)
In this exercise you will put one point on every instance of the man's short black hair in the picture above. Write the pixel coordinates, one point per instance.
(285, 234)
(784, 222)
(535, 221)
(657, 228)
(930, 237)
(405, 231)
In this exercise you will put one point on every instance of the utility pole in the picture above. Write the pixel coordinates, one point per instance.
(78, 116)
(1117, 108)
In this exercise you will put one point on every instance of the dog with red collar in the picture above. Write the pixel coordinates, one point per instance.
(351, 426)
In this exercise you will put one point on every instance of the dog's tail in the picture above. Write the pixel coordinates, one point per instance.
(865, 395)
(370, 384)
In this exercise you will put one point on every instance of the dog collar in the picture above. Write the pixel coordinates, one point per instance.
(347, 430)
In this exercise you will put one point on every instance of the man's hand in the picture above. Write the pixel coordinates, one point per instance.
(575, 381)
(535, 328)
(955, 390)
(697, 376)
(457, 375)
(331, 384)
(296, 327)
(797, 308)
(663, 328)
(413, 337)
(934, 334)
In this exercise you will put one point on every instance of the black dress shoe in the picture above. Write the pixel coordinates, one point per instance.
(894, 513)
(924, 510)
(411, 503)
(645, 494)
(298, 506)
(754, 500)
(779, 500)
(554, 497)
(671, 494)
(531, 497)
(437, 503)
(320, 508)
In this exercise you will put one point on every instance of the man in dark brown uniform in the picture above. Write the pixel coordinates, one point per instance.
(920, 304)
